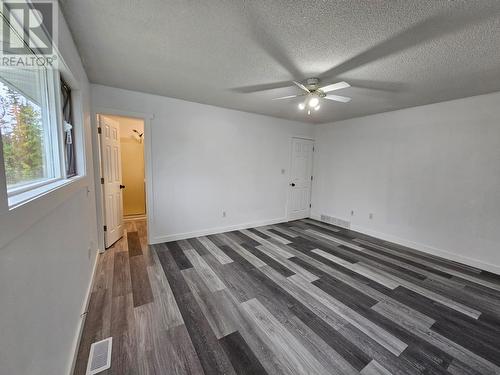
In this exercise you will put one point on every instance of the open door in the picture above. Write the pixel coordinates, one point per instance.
(111, 179)
(299, 201)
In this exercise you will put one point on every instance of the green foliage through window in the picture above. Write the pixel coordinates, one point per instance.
(22, 137)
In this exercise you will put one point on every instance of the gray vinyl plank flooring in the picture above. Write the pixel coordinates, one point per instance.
(384, 338)
(213, 282)
(302, 297)
(210, 304)
(375, 368)
(294, 357)
(283, 231)
(215, 251)
(269, 245)
(240, 250)
(361, 269)
(270, 234)
(295, 268)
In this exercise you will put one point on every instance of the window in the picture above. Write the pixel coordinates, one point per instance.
(22, 136)
(37, 135)
(29, 129)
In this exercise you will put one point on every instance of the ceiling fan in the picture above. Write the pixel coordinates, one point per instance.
(313, 92)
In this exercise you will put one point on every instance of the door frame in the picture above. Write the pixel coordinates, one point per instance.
(147, 119)
(289, 175)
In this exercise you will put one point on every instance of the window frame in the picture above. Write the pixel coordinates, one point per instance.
(28, 208)
(52, 128)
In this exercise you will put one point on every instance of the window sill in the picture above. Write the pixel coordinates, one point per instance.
(27, 196)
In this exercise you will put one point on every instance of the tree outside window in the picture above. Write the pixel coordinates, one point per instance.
(22, 136)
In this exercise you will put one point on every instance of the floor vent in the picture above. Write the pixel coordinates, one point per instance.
(336, 221)
(100, 356)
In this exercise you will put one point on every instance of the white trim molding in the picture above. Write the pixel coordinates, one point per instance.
(148, 129)
(4, 203)
(445, 254)
(206, 232)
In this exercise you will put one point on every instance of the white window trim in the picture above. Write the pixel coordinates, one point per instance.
(54, 147)
(4, 204)
(46, 81)
(35, 192)
(25, 211)
(23, 188)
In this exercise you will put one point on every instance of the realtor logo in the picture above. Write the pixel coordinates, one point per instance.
(29, 32)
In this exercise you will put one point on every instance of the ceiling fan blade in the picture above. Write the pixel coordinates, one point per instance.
(286, 97)
(262, 87)
(335, 86)
(338, 98)
(301, 86)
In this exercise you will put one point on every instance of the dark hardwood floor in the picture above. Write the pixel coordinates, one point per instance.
(296, 298)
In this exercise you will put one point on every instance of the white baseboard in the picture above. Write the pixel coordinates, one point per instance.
(446, 254)
(206, 232)
(429, 249)
(76, 344)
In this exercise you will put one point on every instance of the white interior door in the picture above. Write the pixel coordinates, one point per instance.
(300, 179)
(112, 174)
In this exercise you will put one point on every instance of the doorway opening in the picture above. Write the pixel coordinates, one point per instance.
(123, 178)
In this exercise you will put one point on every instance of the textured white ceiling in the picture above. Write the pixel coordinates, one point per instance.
(396, 54)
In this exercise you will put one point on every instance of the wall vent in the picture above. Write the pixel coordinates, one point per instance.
(335, 221)
(99, 356)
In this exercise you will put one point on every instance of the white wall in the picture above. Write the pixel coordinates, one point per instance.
(207, 159)
(47, 253)
(430, 175)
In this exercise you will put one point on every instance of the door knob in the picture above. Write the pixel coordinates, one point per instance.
(292, 184)
(122, 186)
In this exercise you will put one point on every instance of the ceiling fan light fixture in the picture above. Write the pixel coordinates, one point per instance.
(313, 102)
